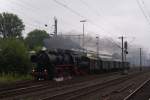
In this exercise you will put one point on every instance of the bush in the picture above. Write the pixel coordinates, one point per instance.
(11, 78)
(13, 57)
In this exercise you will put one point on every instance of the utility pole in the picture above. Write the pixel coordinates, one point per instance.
(97, 43)
(55, 25)
(140, 59)
(83, 21)
(122, 48)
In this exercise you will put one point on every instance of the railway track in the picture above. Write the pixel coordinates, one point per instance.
(26, 84)
(141, 93)
(67, 92)
(32, 86)
(76, 93)
(18, 85)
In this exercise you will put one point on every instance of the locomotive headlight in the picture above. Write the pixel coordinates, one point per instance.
(33, 70)
(45, 70)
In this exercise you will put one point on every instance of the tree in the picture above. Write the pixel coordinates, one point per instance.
(10, 25)
(14, 57)
(35, 39)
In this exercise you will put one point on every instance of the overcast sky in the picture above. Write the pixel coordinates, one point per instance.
(111, 18)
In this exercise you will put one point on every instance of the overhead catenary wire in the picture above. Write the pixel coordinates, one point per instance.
(28, 6)
(99, 14)
(143, 12)
(148, 14)
(95, 11)
(70, 9)
(24, 14)
(75, 12)
(30, 22)
(91, 8)
(78, 14)
(39, 23)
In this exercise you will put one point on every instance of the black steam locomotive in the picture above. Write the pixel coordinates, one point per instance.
(64, 64)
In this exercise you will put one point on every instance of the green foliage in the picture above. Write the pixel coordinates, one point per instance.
(14, 57)
(11, 77)
(10, 25)
(35, 39)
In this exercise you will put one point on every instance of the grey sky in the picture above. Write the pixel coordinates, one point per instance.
(111, 18)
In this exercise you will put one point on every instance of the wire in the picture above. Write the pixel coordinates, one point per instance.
(91, 8)
(29, 18)
(115, 43)
(70, 9)
(96, 11)
(29, 5)
(26, 7)
(78, 14)
(145, 8)
(21, 4)
(143, 12)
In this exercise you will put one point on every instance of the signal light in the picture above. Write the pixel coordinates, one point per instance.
(33, 70)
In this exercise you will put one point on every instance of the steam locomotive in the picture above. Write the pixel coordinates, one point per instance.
(64, 64)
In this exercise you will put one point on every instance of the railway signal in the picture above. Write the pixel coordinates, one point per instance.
(124, 48)
(125, 45)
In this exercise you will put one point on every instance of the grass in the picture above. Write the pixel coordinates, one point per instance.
(11, 78)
